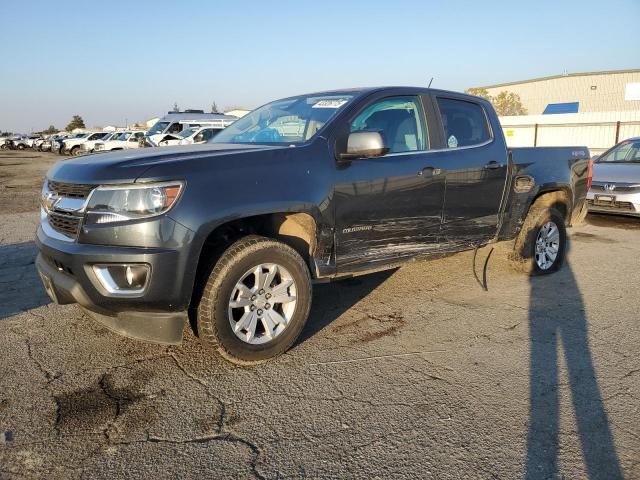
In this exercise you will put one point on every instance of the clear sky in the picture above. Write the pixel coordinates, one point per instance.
(116, 60)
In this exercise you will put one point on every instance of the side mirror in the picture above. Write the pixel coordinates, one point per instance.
(364, 144)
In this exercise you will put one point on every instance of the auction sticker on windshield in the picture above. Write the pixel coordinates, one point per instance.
(334, 103)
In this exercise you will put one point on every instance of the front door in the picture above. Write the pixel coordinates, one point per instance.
(388, 208)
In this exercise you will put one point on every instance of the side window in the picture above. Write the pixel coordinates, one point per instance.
(175, 128)
(465, 123)
(399, 119)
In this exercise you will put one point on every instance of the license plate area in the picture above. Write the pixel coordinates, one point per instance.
(604, 200)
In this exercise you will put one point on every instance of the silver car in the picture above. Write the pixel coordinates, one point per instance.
(616, 180)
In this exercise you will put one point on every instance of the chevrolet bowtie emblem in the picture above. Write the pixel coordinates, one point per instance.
(49, 200)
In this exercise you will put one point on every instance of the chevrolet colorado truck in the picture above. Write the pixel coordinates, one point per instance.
(232, 234)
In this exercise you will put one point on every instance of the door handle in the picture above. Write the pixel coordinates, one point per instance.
(429, 172)
(492, 165)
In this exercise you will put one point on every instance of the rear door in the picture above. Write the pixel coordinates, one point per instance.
(475, 173)
(388, 208)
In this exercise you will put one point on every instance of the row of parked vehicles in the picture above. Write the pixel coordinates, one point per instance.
(176, 128)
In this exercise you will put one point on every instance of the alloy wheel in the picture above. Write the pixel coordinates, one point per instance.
(262, 303)
(547, 245)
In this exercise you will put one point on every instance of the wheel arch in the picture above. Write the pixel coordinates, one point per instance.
(297, 229)
(558, 197)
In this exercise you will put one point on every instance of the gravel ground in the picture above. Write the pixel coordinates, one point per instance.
(409, 373)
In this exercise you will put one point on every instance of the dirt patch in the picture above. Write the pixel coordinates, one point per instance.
(591, 238)
(94, 408)
(373, 327)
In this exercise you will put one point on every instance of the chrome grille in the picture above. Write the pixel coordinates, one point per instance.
(64, 223)
(71, 190)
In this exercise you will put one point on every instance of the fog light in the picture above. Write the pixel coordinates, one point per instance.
(123, 278)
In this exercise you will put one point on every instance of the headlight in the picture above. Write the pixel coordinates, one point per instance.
(121, 203)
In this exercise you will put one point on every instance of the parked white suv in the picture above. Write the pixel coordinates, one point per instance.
(89, 145)
(123, 141)
(191, 136)
(74, 145)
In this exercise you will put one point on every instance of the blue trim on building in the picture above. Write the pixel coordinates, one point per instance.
(555, 108)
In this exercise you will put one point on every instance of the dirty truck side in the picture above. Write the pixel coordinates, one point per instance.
(232, 234)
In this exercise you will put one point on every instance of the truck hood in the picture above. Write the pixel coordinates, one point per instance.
(125, 166)
(616, 172)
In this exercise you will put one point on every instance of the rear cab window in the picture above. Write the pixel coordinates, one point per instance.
(465, 123)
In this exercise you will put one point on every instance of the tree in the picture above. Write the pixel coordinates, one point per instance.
(505, 103)
(508, 103)
(50, 130)
(214, 108)
(479, 92)
(76, 122)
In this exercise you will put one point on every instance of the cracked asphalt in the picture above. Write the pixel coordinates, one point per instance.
(409, 373)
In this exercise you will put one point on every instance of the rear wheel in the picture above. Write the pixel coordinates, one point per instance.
(255, 301)
(20, 146)
(541, 245)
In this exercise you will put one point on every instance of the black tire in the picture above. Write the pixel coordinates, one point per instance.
(20, 146)
(214, 328)
(75, 151)
(524, 257)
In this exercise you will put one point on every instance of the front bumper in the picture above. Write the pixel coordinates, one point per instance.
(619, 203)
(158, 314)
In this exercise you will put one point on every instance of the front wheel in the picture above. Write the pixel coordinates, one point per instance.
(75, 151)
(255, 302)
(541, 245)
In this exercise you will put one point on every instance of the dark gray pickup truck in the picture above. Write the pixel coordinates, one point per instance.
(232, 234)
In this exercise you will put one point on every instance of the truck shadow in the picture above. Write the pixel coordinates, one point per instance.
(20, 285)
(330, 300)
(557, 318)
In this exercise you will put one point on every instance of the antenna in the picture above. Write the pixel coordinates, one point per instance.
(430, 82)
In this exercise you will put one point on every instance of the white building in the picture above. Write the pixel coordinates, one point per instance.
(611, 91)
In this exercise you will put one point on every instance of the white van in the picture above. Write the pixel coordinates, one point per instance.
(176, 122)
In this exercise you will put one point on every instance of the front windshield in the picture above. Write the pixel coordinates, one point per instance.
(157, 128)
(187, 132)
(290, 121)
(626, 152)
